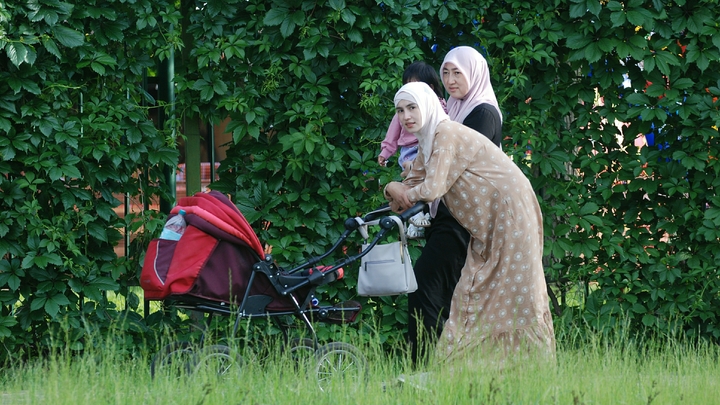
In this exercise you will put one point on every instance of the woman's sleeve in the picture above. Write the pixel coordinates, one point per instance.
(486, 121)
(389, 144)
(441, 172)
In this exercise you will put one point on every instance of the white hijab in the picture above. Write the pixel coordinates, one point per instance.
(431, 113)
(475, 69)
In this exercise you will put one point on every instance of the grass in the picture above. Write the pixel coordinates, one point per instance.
(592, 372)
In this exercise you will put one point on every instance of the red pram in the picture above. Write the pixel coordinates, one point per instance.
(218, 266)
(212, 260)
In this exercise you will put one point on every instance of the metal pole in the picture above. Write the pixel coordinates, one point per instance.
(166, 94)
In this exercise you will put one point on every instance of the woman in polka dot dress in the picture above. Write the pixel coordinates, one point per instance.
(500, 305)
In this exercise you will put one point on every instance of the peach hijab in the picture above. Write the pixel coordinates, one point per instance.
(475, 69)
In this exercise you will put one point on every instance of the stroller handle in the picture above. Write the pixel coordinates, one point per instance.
(351, 224)
(387, 223)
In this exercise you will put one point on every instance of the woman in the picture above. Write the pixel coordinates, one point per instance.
(500, 302)
(397, 138)
(472, 102)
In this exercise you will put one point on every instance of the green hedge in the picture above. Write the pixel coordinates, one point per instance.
(631, 233)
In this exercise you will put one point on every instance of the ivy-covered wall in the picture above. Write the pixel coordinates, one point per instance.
(609, 107)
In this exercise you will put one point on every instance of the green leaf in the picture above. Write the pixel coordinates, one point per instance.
(649, 320)
(594, 7)
(13, 282)
(52, 308)
(348, 16)
(655, 90)
(31, 86)
(593, 52)
(104, 284)
(703, 62)
(695, 23)
(207, 93)
(71, 172)
(639, 308)
(98, 68)
(595, 220)
(287, 27)
(622, 49)
(60, 299)
(607, 44)
(337, 5)
(355, 35)
(97, 231)
(578, 41)
(37, 303)
(638, 99)
(662, 66)
(219, 87)
(31, 55)
(682, 83)
(68, 36)
(589, 208)
(275, 16)
(638, 41)
(617, 18)
(578, 9)
(55, 173)
(614, 5)
(8, 321)
(41, 261)
(636, 18)
(16, 52)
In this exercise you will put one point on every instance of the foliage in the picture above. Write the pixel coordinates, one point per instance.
(76, 137)
(630, 232)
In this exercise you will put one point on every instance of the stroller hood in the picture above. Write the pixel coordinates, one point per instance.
(216, 215)
(212, 260)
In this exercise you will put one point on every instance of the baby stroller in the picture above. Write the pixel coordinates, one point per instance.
(218, 267)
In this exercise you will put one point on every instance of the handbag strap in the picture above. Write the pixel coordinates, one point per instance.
(364, 232)
(401, 227)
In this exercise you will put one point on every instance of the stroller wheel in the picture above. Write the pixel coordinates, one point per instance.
(301, 349)
(219, 360)
(339, 364)
(175, 359)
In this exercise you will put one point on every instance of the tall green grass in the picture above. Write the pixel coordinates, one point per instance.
(603, 370)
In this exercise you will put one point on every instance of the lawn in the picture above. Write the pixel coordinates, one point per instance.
(595, 371)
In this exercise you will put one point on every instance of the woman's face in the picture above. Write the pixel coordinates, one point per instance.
(409, 115)
(454, 81)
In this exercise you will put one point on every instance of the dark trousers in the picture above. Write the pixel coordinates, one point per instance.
(437, 271)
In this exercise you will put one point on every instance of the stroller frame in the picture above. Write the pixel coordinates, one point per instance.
(292, 284)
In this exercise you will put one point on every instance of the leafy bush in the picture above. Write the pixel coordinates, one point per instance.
(76, 138)
(631, 232)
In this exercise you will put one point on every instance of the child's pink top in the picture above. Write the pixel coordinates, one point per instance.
(397, 136)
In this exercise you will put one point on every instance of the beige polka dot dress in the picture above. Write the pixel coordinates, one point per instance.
(500, 305)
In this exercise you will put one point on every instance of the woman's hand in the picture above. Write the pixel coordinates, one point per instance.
(396, 194)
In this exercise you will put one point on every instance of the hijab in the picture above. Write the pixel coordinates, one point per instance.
(431, 113)
(475, 69)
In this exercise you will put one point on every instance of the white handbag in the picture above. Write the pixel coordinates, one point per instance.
(387, 269)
